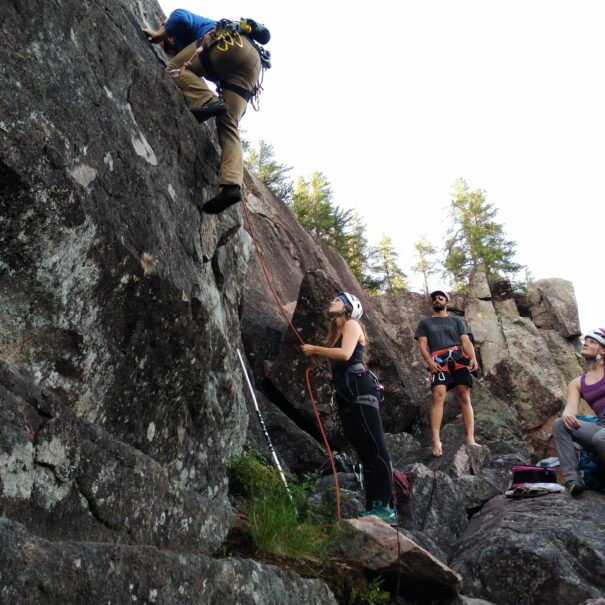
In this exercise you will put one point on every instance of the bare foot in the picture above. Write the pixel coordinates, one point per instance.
(437, 450)
(473, 443)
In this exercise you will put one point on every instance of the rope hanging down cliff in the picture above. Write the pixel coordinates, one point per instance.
(301, 341)
(308, 372)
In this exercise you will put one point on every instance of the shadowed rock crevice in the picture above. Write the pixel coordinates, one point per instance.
(303, 422)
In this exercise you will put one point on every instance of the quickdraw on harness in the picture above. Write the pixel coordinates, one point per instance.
(223, 36)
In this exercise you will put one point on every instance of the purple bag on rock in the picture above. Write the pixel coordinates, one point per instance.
(532, 474)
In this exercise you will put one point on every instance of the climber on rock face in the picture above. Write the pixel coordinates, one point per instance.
(446, 348)
(568, 429)
(357, 394)
(220, 52)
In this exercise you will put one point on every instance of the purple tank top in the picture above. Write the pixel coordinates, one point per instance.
(594, 395)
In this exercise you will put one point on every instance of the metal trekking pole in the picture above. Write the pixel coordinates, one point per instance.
(262, 424)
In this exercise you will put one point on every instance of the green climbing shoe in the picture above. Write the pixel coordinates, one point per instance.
(385, 513)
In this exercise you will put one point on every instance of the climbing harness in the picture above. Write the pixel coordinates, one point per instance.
(450, 358)
(359, 369)
(223, 36)
(309, 370)
(264, 427)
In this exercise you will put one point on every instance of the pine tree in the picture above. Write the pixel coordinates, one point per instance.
(337, 227)
(389, 276)
(358, 254)
(426, 264)
(262, 164)
(312, 204)
(475, 239)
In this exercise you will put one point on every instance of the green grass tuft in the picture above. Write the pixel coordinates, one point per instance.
(278, 524)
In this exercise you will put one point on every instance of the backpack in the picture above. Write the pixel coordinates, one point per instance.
(592, 475)
(257, 31)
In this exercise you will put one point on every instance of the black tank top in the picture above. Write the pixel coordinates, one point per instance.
(339, 368)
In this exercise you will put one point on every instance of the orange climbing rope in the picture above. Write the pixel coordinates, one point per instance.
(323, 434)
(302, 342)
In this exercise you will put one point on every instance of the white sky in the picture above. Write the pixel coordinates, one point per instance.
(393, 101)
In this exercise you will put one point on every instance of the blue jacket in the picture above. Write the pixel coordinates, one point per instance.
(185, 27)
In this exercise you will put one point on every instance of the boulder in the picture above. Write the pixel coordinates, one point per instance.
(522, 304)
(478, 286)
(38, 572)
(565, 353)
(66, 478)
(507, 308)
(289, 253)
(495, 419)
(537, 308)
(483, 322)
(435, 507)
(401, 312)
(402, 447)
(380, 549)
(289, 368)
(529, 380)
(549, 549)
(557, 298)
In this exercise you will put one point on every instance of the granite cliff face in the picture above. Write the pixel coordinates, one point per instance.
(121, 398)
(118, 316)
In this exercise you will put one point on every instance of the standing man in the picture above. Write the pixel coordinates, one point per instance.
(204, 48)
(445, 345)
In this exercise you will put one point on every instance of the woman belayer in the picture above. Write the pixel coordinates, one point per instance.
(357, 395)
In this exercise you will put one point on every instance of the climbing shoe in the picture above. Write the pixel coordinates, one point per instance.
(211, 109)
(386, 513)
(574, 487)
(229, 195)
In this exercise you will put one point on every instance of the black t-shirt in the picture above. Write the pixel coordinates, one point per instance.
(442, 332)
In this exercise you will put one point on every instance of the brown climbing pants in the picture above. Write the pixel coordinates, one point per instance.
(236, 64)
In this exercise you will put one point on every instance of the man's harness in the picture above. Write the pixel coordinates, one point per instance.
(223, 36)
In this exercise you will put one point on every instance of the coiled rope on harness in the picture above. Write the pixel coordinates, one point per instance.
(302, 342)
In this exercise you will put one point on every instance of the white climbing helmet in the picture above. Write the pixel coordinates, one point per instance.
(350, 299)
(598, 335)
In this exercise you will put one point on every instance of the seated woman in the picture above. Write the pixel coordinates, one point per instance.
(567, 429)
(357, 397)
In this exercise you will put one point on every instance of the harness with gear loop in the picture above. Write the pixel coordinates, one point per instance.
(225, 35)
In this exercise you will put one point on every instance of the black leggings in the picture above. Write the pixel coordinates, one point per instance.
(363, 428)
